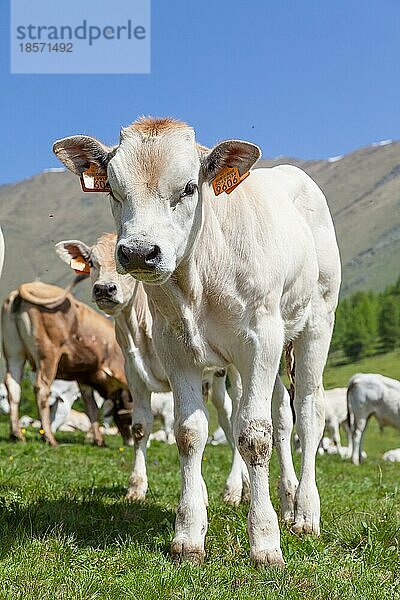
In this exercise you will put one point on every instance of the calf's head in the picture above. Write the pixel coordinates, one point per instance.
(110, 290)
(155, 174)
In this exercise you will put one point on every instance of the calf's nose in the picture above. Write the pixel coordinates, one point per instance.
(104, 290)
(141, 257)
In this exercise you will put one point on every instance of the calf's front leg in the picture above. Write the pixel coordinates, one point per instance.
(142, 425)
(253, 429)
(191, 429)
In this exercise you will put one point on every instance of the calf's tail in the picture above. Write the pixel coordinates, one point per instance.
(290, 364)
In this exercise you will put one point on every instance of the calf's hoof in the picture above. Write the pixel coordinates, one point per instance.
(232, 496)
(267, 558)
(49, 441)
(99, 443)
(306, 526)
(186, 552)
(135, 495)
(17, 437)
(288, 517)
(137, 489)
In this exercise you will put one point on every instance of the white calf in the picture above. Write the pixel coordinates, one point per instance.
(367, 395)
(230, 278)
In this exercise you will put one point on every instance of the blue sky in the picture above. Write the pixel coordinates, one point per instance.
(306, 78)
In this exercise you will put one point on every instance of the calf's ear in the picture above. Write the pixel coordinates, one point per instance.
(232, 153)
(76, 254)
(80, 151)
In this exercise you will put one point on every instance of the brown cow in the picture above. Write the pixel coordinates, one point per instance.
(61, 338)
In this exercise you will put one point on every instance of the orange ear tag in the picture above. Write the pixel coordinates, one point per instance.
(93, 181)
(227, 180)
(80, 266)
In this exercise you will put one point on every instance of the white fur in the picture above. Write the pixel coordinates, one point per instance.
(236, 276)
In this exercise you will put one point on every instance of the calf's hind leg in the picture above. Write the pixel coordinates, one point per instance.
(311, 351)
(282, 419)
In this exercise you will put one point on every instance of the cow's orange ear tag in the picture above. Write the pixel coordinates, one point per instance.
(80, 266)
(93, 181)
(227, 180)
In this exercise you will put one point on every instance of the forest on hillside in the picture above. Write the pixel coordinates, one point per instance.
(368, 323)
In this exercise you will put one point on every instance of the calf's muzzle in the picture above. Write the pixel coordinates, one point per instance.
(104, 290)
(141, 257)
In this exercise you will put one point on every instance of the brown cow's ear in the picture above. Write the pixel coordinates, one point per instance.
(229, 154)
(76, 254)
(80, 151)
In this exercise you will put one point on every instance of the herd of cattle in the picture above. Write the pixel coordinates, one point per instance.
(215, 270)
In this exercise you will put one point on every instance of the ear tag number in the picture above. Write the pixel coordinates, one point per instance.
(80, 266)
(93, 181)
(227, 180)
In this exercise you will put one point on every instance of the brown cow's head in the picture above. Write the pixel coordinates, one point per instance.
(110, 290)
(156, 174)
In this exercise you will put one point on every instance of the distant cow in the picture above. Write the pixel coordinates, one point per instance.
(61, 338)
(392, 455)
(126, 300)
(336, 416)
(371, 394)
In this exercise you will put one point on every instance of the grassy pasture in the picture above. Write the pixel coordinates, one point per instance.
(67, 532)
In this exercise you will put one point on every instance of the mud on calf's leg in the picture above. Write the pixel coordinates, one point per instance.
(255, 445)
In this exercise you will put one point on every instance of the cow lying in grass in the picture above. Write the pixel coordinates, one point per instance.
(61, 338)
(370, 394)
(125, 299)
(230, 277)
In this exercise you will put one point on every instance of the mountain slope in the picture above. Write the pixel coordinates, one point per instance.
(362, 188)
(363, 192)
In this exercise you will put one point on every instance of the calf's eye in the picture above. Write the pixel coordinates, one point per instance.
(189, 190)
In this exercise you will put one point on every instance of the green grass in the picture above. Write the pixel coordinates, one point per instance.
(338, 374)
(67, 532)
